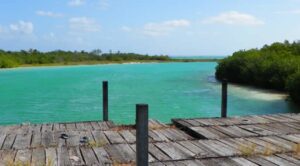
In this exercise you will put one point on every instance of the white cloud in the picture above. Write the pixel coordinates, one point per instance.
(234, 18)
(164, 28)
(22, 27)
(83, 24)
(76, 2)
(48, 13)
(126, 28)
(103, 4)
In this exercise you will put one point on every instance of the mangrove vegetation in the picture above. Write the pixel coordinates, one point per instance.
(275, 66)
(9, 59)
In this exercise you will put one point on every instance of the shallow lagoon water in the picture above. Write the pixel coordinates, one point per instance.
(172, 90)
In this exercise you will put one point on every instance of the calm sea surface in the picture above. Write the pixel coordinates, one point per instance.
(172, 90)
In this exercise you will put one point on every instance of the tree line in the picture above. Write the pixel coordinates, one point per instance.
(10, 59)
(275, 66)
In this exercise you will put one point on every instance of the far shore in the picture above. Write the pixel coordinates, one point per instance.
(112, 62)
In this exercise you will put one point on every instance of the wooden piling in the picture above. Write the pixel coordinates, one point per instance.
(224, 99)
(105, 100)
(142, 135)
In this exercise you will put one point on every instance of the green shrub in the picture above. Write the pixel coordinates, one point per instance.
(293, 86)
(268, 67)
(7, 63)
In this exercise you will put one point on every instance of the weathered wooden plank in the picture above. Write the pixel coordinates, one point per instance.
(22, 141)
(158, 154)
(278, 118)
(289, 158)
(88, 126)
(2, 138)
(75, 156)
(35, 128)
(267, 146)
(128, 136)
(156, 164)
(57, 140)
(278, 160)
(63, 156)
(219, 148)
(102, 156)
(110, 124)
(174, 151)
(74, 138)
(38, 157)
(234, 131)
(89, 156)
(193, 122)
(258, 130)
(23, 157)
(208, 133)
(9, 141)
(114, 137)
(219, 161)
(294, 137)
(260, 161)
(171, 135)
(95, 126)
(283, 144)
(180, 123)
(7, 157)
(105, 125)
(36, 140)
(62, 127)
(198, 152)
(150, 157)
(153, 137)
(51, 157)
(56, 127)
(210, 121)
(47, 127)
(80, 126)
(70, 126)
(292, 116)
(243, 161)
(49, 139)
(160, 136)
(181, 134)
(121, 153)
(100, 138)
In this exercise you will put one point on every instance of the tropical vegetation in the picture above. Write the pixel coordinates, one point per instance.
(275, 66)
(10, 59)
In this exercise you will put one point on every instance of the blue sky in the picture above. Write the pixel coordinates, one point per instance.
(173, 27)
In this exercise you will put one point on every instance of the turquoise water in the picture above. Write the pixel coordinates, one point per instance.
(172, 90)
(200, 57)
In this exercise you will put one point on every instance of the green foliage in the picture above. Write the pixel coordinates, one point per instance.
(273, 66)
(293, 86)
(33, 57)
(7, 62)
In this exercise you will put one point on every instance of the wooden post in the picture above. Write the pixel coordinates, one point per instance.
(142, 135)
(105, 100)
(224, 99)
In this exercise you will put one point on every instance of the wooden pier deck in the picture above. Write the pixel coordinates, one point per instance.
(248, 140)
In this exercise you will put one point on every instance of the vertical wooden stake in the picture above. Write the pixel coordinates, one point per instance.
(105, 100)
(142, 135)
(224, 99)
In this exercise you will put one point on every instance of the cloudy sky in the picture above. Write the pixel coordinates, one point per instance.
(173, 27)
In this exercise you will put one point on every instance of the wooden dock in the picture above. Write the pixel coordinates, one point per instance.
(249, 140)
